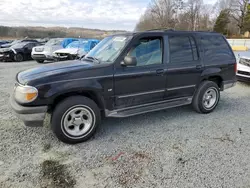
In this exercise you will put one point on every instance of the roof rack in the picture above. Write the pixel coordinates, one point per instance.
(161, 29)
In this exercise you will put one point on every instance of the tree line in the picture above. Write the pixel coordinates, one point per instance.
(229, 17)
(52, 32)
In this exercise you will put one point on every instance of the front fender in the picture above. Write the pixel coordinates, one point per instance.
(78, 86)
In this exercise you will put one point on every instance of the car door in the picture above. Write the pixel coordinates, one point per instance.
(28, 49)
(184, 67)
(145, 82)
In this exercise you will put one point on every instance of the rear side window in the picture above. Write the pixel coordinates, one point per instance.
(216, 48)
(182, 49)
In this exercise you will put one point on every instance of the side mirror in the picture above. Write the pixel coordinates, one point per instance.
(129, 61)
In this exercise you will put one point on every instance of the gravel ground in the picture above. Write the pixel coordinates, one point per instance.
(171, 148)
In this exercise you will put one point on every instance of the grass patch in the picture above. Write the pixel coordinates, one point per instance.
(55, 175)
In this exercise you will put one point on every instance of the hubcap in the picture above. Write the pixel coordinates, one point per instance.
(210, 98)
(77, 121)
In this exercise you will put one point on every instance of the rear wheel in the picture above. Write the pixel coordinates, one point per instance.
(206, 97)
(75, 119)
(39, 61)
(18, 57)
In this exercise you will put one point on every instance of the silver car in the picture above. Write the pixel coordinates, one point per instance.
(45, 52)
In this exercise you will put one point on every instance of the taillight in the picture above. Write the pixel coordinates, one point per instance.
(235, 67)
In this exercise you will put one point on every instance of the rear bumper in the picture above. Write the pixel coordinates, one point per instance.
(228, 84)
(31, 116)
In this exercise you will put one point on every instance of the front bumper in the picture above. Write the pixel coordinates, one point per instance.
(64, 57)
(4, 57)
(31, 116)
(41, 57)
(243, 73)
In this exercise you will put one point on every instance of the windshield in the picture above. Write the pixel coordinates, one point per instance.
(15, 42)
(78, 44)
(54, 42)
(18, 45)
(109, 48)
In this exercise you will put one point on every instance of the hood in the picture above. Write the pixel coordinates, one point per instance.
(6, 45)
(68, 51)
(51, 69)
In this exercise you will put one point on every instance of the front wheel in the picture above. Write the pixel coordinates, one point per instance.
(39, 61)
(18, 57)
(75, 119)
(206, 97)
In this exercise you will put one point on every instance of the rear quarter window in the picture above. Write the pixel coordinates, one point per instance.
(216, 48)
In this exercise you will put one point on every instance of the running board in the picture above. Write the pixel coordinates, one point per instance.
(141, 109)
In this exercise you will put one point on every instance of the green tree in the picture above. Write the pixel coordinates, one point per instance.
(222, 22)
(246, 22)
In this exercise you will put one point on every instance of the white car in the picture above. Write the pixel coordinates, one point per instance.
(243, 66)
(42, 53)
(76, 49)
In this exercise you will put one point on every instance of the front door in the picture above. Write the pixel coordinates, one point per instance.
(184, 66)
(145, 82)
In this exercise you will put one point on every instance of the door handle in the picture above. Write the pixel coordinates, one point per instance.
(160, 71)
(198, 66)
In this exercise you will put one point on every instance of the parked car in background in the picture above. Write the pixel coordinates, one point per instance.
(125, 75)
(243, 67)
(3, 42)
(17, 41)
(45, 52)
(18, 52)
(75, 50)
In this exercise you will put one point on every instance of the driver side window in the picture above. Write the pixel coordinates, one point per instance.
(30, 46)
(147, 51)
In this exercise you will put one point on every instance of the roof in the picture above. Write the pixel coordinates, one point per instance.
(166, 31)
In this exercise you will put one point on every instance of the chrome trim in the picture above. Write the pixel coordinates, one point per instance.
(190, 98)
(136, 73)
(182, 87)
(142, 93)
(181, 68)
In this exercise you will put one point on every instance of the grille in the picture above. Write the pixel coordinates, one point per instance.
(39, 56)
(62, 54)
(245, 62)
(39, 49)
(244, 73)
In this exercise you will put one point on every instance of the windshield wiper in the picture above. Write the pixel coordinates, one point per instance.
(93, 59)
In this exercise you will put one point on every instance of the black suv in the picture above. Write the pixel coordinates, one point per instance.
(126, 75)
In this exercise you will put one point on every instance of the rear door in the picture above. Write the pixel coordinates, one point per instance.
(184, 66)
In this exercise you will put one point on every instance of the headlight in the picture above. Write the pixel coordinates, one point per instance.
(25, 94)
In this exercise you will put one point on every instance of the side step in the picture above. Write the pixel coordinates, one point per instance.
(141, 109)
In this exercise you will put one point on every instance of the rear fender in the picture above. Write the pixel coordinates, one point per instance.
(210, 72)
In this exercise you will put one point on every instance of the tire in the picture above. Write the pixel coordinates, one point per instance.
(206, 97)
(70, 57)
(75, 119)
(19, 57)
(39, 61)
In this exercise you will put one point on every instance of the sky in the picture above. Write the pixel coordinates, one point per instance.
(96, 14)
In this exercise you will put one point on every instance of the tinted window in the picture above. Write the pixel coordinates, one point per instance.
(182, 49)
(147, 52)
(215, 48)
(30, 46)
